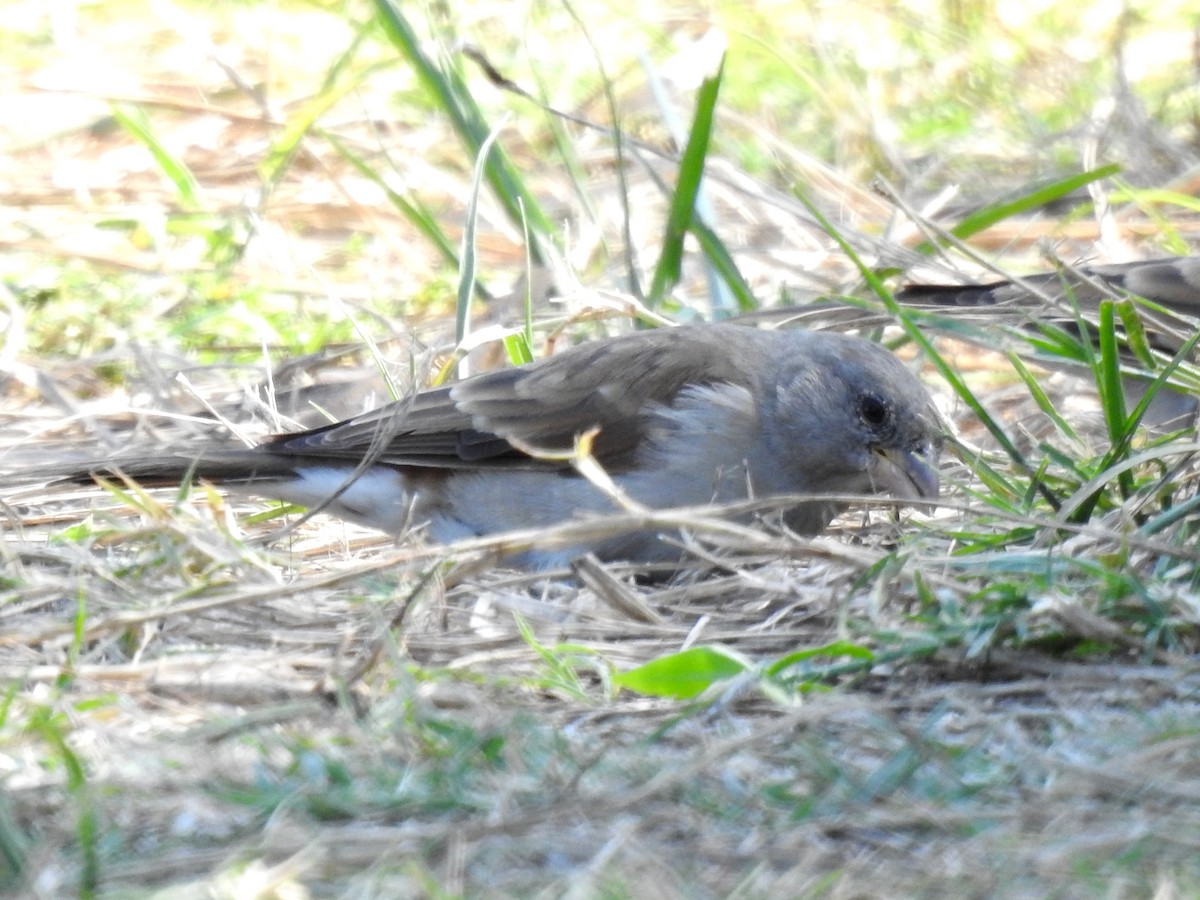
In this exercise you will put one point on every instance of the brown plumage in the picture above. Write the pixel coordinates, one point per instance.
(686, 416)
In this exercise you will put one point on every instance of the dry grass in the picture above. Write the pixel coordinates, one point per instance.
(198, 706)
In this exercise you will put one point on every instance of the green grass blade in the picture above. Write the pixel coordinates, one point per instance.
(50, 728)
(284, 147)
(683, 202)
(722, 300)
(1041, 399)
(1135, 333)
(721, 259)
(520, 346)
(1148, 200)
(1121, 447)
(1122, 426)
(410, 207)
(1107, 372)
(990, 215)
(1108, 375)
(14, 841)
(633, 279)
(453, 98)
(134, 121)
(466, 278)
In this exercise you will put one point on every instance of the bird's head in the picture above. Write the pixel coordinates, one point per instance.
(856, 420)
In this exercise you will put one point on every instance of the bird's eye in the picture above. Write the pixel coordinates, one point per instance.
(873, 410)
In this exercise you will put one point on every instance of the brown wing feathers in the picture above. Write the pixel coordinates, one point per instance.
(544, 405)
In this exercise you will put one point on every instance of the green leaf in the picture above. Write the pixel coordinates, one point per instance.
(833, 650)
(684, 675)
(518, 349)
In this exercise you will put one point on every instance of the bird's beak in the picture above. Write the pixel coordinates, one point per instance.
(905, 474)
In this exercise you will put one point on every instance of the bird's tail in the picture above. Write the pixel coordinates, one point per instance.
(223, 467)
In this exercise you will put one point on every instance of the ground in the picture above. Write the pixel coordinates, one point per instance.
(225, 222)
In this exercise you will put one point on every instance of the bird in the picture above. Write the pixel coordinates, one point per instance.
(681, 416)
(1069, 299)
(1172, 283)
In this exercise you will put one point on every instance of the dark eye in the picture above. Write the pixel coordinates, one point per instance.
(873, 410)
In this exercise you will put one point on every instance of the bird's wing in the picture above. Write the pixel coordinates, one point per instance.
(1175, 283)
(483, 420)
(1170, 283)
